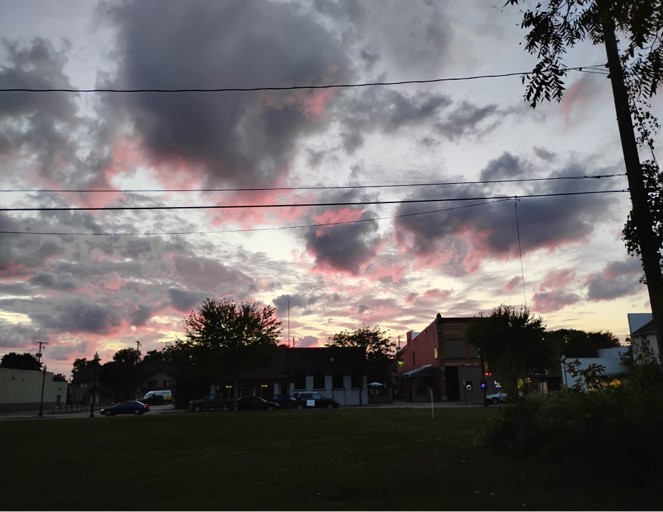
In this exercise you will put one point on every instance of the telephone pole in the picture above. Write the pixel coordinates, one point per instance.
(642, 217)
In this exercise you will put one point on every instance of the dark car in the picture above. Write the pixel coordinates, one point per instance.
(317, 400)
(211, 403)
(128, 407)
(288, 402)
(255, 403)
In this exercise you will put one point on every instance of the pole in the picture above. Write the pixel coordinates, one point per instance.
(432, 406)
(483, 382)
(41, 402)
(95, 362)
(642, 218)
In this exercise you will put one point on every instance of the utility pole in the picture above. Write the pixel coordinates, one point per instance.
(43, 378)
(642, 217)
(138, 345)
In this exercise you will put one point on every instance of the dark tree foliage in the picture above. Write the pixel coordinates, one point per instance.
(373, 339)
(226, 338)
(58, 377)
(653, 181)
(25, 361)
(576, 343)
(79, 364)
(513, 344)
(128, 356)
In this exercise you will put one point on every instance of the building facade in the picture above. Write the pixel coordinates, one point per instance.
(22, 390)
(439, 364)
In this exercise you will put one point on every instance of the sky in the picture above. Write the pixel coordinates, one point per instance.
(86, 281)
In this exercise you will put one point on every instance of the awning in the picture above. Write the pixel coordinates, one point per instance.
(422, 371)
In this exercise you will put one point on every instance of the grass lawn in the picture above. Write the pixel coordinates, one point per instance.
(349, 459)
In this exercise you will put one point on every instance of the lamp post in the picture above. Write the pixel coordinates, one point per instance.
(331, 360)
(95, 362)
(563, 359)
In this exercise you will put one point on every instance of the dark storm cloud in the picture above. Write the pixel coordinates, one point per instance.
(37, 127)
(617, 279)
(20, 336)
(239, 137)
(471, 234)
(344, 247)
(77, 314)
(393, 37)
(185, 300)
(55, 281)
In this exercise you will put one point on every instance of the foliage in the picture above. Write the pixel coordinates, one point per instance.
(577, 343)
(228, 338)
(601, 429)
(58, 377)
(512, 343)
(653, 182)
(373, 339)
(585, 379)
(128, 356)
(79, 364)
(25, 361)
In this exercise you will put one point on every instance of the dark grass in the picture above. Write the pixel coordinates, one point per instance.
(387, 459)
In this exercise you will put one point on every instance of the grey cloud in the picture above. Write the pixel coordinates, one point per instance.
(505, 166)
(208, 274)
(185, 300)
(247, 138)
(549, 301)
(55, 281)
(468, 119)
(344, 247)
(77, 315)
(617, 279)
(544, 222)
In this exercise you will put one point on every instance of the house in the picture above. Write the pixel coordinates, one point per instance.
(337, 372)
(643, 336)
(156, 376)
(609, 358)
(22, 390)
(438, 363)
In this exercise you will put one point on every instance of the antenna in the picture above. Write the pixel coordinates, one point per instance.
(138, 345)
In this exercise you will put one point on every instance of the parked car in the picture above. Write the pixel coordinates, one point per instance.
(154, 400)
(496, 398)
(288, 402)
(127, 407)
(317, 400)
(167, 395)
(255, 403)
(211, 403)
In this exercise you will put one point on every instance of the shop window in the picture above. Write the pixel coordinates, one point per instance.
(337, 380)
(318, 380)
(300, 380)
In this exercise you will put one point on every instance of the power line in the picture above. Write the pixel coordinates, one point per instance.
(313, 187)
(286, 87)
(295, 205)
(247, 230)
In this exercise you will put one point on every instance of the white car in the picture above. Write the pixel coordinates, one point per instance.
(495, 398)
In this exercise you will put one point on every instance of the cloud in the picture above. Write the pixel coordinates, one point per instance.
(77, 315)
(184, 300)
(617, 279)
(553, 291)
(242, 138)
(463, 235)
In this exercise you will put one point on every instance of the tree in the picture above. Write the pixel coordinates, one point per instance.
(58, 377)
(577, 343)
(121, 375)
(228, 339)
(512, 343)
(128, 356)
(373, 339)
(634, 74)
(25, 361)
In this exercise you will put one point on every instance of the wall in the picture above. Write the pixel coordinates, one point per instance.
(347, 395)
(610, 358)
(21, 389)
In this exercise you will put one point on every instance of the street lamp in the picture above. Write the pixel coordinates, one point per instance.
(563, 359)
(331, 360)
(95, 362)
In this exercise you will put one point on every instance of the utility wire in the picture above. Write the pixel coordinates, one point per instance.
(287, 87)
(248, 230)
(295, 205)
(335, 187)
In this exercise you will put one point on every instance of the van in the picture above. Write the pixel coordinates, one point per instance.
(166, 394)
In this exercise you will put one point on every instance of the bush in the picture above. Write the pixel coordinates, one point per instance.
(614, 431)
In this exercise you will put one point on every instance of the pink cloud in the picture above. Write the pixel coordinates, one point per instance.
(553, 291)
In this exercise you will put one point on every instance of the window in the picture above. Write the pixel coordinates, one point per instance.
(318, 380)
(355, 380)
(455, 349)
(300, 380)
(337, 380)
